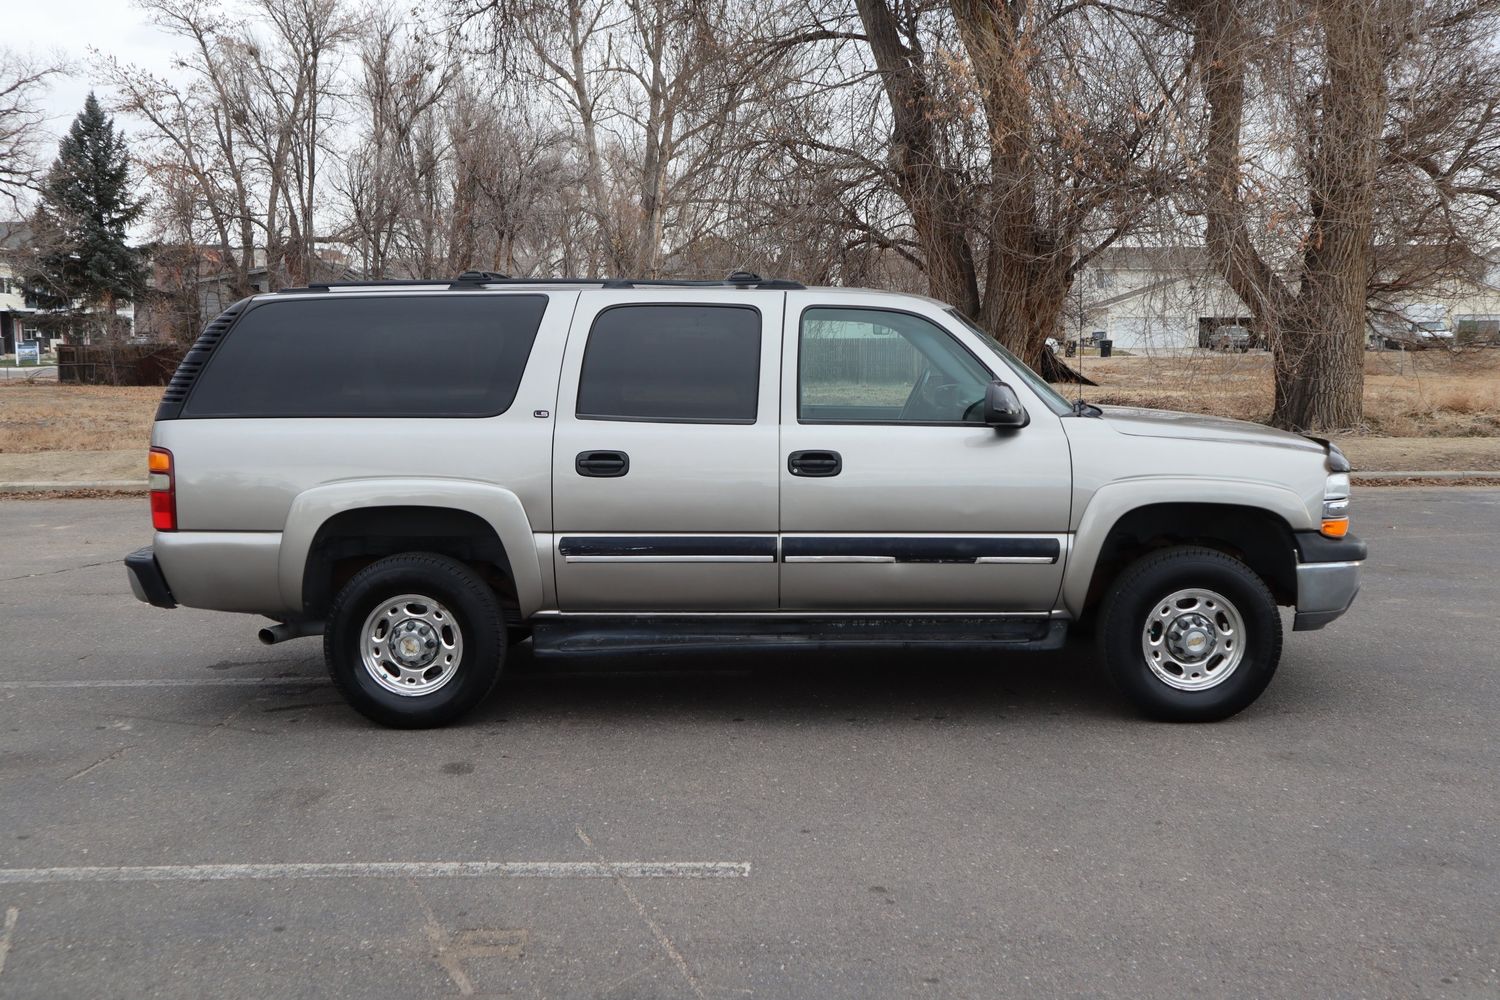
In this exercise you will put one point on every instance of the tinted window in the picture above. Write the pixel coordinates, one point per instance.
(673, 363)
(340, 356)
(874, 366)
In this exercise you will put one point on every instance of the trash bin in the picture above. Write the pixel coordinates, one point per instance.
(1106, 348)
(1070, 349)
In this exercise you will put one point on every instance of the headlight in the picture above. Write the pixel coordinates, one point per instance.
(1336, 505)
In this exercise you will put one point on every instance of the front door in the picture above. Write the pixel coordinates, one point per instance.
(665, 451)
(894, 496)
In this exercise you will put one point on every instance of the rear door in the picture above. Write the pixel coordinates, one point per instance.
(665, 453)
(894, 496)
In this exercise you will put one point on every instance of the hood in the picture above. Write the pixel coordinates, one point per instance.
(1195, 427)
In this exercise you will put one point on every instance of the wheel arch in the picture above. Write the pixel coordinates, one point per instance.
(333, 529)
(1250, 522)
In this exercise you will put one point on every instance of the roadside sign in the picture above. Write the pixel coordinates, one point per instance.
(28, 350)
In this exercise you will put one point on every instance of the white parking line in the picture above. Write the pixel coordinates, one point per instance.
(167, 682)
(382, 869)
(11, 916)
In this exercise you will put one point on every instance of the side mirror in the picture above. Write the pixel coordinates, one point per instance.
(1003, 409)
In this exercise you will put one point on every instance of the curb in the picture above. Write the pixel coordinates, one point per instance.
(1469, 474)
(102, 485)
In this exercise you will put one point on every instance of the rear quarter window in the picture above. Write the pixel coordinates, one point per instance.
(443, 355)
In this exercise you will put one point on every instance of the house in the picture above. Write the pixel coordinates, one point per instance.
(14, 312)
(1168, 300)
(190, 285)
(1157, 299)
(20, 318)
(215, 288)
(1475, 312)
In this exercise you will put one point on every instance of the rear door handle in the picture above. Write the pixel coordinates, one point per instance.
(815, 463)
(602, 464)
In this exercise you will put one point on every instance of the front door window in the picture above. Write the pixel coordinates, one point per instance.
(875, 366)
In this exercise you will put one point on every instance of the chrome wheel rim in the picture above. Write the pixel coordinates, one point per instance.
(411, 645)
(1193, 639)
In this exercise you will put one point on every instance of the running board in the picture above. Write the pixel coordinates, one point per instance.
(603, 635)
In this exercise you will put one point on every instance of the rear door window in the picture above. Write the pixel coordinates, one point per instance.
(447, 355)
(672, 364)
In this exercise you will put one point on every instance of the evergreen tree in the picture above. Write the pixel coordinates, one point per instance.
(83, 264)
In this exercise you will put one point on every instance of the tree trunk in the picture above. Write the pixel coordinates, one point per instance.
(1320, 367)
(653, 163)
(925, 185)
(1316, 332)
(1320, 358)
(1023, 303)
(1221, 49)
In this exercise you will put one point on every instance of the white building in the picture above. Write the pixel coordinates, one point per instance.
(14, 315)
(1167, 300)
(1157, 299)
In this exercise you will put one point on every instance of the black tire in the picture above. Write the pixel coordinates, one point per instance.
(472, 605)
(1131, 599)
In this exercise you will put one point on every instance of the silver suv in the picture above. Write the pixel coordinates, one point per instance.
(424, 473)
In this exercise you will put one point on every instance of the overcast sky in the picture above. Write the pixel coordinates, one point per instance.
(69, 28)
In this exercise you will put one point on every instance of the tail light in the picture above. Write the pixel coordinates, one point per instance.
(163, 484)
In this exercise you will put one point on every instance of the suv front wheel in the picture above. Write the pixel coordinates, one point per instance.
(414, 640)
(1190, 635)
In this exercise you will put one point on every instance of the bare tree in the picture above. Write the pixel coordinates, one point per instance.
(393, 182)
(23, 79)
(1437, 200)
(284, 87)
(654, 96)
(1351, 181)
(197, 131)
(251, 125)
(520, 206)
(1017, 160)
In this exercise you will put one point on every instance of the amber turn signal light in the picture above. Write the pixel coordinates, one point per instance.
(163, 486)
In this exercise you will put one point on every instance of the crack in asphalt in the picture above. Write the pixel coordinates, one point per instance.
(54, 572)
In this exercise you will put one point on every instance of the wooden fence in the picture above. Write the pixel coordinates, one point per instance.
(117, 364)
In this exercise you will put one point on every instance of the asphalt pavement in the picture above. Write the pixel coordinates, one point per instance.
(186, 813)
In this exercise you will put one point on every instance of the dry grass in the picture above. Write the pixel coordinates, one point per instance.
(1423, 394)
(46, 416)
(1428, 410)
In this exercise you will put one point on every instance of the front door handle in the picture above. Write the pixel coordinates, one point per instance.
(602, 464)
(815, 463)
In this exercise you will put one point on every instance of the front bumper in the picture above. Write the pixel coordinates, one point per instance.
(146, 581)
(1327, 578)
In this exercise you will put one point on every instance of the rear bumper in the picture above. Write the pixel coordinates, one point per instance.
(1327, 578)
(146, 581)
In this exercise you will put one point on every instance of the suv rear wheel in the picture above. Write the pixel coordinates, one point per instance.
(1190, 635)
(414, 640)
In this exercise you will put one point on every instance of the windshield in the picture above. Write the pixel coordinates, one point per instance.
(1033, 381)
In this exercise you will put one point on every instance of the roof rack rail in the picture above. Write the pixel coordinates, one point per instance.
(739, 279)
(324, 286)
(479, 279)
